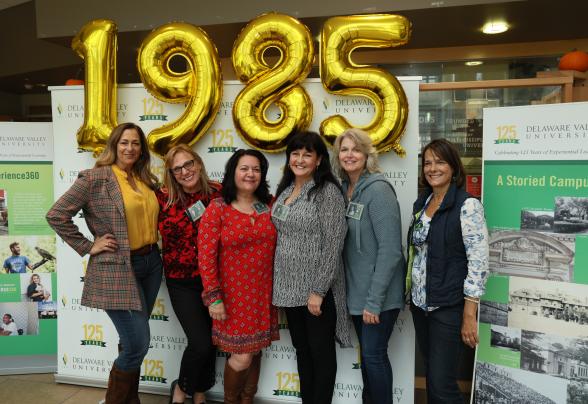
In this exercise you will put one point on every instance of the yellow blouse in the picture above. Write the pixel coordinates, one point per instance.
(141, 210)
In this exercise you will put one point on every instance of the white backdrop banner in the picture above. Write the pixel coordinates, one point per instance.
(87, 339)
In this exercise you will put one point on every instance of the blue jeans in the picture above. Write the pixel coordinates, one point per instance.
(133, 326)
(376, 370)
(438, 334)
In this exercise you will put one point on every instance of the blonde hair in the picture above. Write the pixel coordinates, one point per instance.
(142, 167)
(175, 192)
(364, 143)
(33, 276)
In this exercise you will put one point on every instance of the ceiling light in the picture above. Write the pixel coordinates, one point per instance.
(474, 63)
(495, 27)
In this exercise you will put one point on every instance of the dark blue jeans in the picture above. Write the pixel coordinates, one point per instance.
(438, 334)
(133, 326)
(376, 370)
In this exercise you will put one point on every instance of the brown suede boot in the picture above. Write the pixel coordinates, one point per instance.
(250, 387)
(234, 382)
(122, 387)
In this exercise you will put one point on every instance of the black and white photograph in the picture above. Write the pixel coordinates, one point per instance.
(554, 355)
(494, 313)
(505, 338)
(498, 384)
(532, 254)
(548, 307)
(577, 392)
(571, 214)
(537, 219)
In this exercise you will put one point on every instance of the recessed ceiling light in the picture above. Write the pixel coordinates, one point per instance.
(495, 27)
(474, 63)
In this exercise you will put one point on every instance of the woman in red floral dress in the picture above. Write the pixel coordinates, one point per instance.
(186, 194)
(236, 244)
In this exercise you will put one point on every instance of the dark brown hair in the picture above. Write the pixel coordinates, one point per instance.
(446, 151)
(142, 168)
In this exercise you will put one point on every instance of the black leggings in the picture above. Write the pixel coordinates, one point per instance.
(198, 361)
(314, 340)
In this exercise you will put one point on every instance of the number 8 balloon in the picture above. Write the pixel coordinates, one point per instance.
(339, 75)
(266, 85)
(200, 86)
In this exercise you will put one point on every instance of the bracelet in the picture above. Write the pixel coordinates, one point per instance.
(219, 301)
(472, 299)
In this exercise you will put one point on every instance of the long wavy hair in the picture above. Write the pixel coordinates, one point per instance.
(447, 151)
(229, 191)
(312, 142)
(364, 143)
(142, 167)
(175, 192)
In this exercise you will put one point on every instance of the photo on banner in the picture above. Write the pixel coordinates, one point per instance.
(28, 279)
(534, 315)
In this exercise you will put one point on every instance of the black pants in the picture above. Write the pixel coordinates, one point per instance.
(438, 334)
(314, 340)
(198, 361)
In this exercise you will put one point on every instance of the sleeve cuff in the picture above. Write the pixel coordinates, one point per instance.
(212, 296)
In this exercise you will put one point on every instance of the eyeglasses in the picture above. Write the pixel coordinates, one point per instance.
(188, 165)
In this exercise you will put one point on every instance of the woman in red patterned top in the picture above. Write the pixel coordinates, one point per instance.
(236, 246)
(186, 194)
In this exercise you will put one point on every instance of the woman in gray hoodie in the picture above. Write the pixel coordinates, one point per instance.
(374, 263)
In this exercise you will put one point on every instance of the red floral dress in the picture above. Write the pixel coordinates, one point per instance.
(236, 255)
(179, 234)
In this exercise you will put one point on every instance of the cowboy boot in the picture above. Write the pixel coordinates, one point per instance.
(234, 382)
(250, 387)
(122, 387)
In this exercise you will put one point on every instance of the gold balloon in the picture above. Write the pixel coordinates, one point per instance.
(340, 75)
(96, 43)
(200, 87)
(266, 84)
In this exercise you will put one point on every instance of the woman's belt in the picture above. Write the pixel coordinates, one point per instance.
(146, 249)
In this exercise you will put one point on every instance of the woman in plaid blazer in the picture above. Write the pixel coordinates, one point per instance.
(124, 271)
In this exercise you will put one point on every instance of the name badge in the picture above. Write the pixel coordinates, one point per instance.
(354, 210)
(280, 211)
(260, 207)
(195, 211)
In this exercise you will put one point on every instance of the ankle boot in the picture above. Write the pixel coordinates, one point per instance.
(122, 387)
(250, 387)
(234, 382)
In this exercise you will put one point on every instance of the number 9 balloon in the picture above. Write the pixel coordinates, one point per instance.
(339, 75)
(200, 87)
(266, 85)
(96, 43)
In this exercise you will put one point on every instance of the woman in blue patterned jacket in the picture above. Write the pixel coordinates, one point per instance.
(448, 267)
(309, 215)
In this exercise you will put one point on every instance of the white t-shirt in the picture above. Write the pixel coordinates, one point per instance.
(11, 327)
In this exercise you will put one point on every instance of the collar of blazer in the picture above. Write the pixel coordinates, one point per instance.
(113, 189)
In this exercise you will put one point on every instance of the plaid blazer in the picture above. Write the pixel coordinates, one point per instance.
(109, 281)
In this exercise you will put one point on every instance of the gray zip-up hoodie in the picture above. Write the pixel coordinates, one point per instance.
(374, 262)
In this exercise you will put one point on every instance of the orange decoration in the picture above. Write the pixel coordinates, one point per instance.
(574, 60)
(74, 82)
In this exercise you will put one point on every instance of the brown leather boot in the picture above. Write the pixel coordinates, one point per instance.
(250, 387)
(122, 387)
(234, 382)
